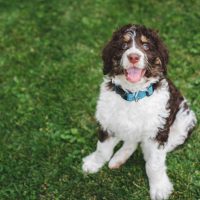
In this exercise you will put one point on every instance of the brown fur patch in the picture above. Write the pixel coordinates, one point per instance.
(127, 37)
(173, 105)
(102, 135)
(144, 39)
(157, 61)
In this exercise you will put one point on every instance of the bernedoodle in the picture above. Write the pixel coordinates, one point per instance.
(138, 104)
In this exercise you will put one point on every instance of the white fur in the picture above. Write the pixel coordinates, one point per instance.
(124, 118)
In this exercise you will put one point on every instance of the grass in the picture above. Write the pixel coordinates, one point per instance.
(50, 71)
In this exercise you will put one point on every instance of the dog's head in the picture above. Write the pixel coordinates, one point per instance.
(136, 52)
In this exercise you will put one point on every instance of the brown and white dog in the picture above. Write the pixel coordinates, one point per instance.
(138, 104)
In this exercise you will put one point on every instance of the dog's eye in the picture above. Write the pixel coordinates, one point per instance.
(124, 46)
(145, 46)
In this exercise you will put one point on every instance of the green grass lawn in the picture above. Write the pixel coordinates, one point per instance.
(50, 71)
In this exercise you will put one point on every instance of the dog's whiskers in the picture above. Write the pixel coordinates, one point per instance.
(148, 64)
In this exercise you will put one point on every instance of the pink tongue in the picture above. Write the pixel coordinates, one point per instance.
(134, 74)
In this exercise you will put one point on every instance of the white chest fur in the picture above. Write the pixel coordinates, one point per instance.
(132, 120)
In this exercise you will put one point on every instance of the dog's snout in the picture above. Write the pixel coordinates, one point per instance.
(133, 57)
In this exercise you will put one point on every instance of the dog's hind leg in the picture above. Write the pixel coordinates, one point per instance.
(182, 127)
(122, 155)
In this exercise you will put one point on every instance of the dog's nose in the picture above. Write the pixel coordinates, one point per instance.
(133, 58)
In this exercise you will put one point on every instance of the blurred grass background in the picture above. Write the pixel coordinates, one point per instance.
(50, 71)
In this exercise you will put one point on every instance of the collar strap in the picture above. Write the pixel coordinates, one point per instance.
(133, 96)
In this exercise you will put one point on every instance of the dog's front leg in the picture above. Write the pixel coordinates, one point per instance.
(160, 185)
(93, 162)
(123, 154)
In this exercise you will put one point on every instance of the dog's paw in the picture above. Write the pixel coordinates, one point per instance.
(91, 164)
(161, 190)
(115, 163)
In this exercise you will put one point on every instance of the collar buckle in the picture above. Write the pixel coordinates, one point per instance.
(137, 96)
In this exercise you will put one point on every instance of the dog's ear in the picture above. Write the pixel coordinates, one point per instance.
(162, 50)
(111, 50)
(164, 55)
(111, 53)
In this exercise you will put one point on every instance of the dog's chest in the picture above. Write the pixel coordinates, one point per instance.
(126, 118)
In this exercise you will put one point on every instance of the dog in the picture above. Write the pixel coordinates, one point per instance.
(138, 104)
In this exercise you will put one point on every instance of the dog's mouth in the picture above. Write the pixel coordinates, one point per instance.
(134, 74)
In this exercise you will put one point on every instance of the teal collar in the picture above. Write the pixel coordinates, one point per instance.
(133, 96)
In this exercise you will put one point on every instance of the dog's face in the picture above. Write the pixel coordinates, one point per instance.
(136, 52)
